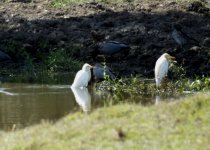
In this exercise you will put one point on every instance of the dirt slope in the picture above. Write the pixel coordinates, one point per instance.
(146, 26)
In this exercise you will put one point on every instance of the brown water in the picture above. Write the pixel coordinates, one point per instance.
(27, 104)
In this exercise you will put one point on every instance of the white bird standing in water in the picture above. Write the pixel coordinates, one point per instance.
(161, 68)
(83, 76)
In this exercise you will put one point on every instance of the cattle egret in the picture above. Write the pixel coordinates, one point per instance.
(83, 76)
(161, 68)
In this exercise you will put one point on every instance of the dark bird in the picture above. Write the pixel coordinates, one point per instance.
(4, 56)
(182, 38)
(113, 47)
(101, 72)
(178, 38)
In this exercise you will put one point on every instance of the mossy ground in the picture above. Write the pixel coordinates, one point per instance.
(179, 125)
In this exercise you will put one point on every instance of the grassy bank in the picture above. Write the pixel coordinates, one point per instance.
(176, 125)
(63, 3)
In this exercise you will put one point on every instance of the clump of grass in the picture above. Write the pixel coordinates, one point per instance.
(189, 1)
(60, 60)
(64, 3)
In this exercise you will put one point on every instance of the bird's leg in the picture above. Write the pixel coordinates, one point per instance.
(165, 81)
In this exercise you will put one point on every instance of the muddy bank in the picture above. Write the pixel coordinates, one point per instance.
(34, 29)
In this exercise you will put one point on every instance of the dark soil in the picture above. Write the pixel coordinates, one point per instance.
(36, 28)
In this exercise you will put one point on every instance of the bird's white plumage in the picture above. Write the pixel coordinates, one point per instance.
(83, 76)
(161, 68)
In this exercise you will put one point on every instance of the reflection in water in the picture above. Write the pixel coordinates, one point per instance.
(82, 97)
(2, 90)
(157, 99)
(27, 104)
(23, 105)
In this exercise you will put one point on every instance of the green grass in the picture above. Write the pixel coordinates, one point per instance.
(177, 125)
(64, 3)
(185, 1)
(136, 85)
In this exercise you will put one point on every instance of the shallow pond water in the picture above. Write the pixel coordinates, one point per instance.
(27, 104)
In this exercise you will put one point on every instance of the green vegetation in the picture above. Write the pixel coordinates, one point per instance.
(64, 3)
(185, 1)
(177, 125)
(53, 58)
(137, 88)
(60, 60)
(180, 1)
(137, 85)
(42, 64)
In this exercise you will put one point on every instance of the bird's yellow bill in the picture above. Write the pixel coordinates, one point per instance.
(93, 66)
(172, 58)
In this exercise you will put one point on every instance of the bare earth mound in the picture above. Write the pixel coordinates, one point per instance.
(146, 26)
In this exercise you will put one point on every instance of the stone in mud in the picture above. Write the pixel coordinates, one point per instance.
(97, 36)
(107, 24)
(195, 48)
(206, 42)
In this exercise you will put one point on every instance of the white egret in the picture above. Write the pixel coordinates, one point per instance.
(161, 68)
(83, 76)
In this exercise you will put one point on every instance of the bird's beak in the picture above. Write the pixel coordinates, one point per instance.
(172, 58)
(93, 67)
